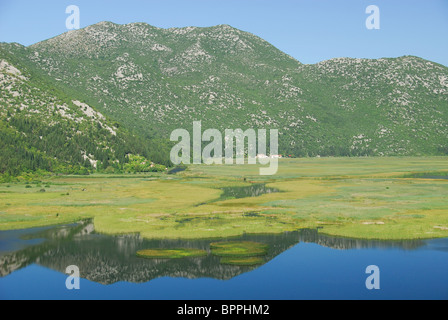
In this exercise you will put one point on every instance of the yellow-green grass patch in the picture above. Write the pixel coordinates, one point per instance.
(242, 261)
(171, 253)
(238, 249)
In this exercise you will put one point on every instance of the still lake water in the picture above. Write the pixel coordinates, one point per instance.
(299, 265)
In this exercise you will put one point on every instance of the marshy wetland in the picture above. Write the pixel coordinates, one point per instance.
(372, 198)
(267, 236)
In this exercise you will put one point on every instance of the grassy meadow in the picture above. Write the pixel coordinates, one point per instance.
(372, 198)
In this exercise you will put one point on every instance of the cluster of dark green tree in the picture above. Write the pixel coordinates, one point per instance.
(28, 146)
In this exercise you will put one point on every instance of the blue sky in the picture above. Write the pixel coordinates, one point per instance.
(308, 30)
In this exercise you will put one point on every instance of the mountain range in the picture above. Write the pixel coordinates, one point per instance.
(101, 92)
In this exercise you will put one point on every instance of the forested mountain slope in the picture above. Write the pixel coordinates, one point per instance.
(43, 128)
(153, 80)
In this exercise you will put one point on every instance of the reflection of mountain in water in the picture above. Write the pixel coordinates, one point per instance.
(312, 235)
(109, 259)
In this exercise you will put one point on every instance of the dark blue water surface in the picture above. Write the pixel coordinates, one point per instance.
(299, 265)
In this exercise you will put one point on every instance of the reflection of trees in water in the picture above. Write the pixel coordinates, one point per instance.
(312, 235)
(109, 259)
(253, 190)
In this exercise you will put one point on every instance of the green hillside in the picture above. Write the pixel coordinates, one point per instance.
(151, 81)
(42, 128)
